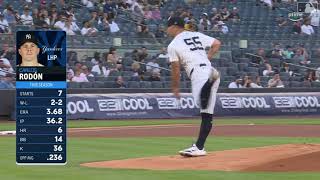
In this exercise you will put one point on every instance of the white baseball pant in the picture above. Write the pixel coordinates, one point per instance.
(199, 77)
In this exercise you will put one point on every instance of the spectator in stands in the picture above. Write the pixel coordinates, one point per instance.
(79, 77)
(315, 16)
(77, 67)
(248, 83)
(306, 28)
(100, 70)
(87, 3)
(113, 56)
(318, 74)
(40, 22)
(311, 76)
(72, 56)
(103, 23)
(8, 14)
(268, 71)
(53, 17)
(74, 26)
(4, 25)
(140, 54)
(234, 15)
(275, 82)
(5, 67)
(26, 19)
(268, 3)
(276, 51)
(221, 27)
(109, 7)
(160, 34)
(256, 83)
(281, 21)
(86, 71)
(216, 16)
(60, 24)
(94, 18)
(138, 72)
(142, 28)
(68, 29)
(237, 83)
(225, 13)
(45, 15)
(120, 82)
(286, 69)
(156, 14)
(122, 5)
(163, 55)
(6, 82)
(96, 58)
(147, 13)
(114, 60)
(113, 26)
(153, 66)
(204, 24)
(137, 12)
(299, 56)
(288, 53)
(262, 59)
(69, 75)
(88, 30)
(155, 76)
(6, 52)
(297, 27)
(70, 12)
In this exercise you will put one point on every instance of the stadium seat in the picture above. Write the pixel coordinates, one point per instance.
(295, 84)
(156, 84)
(315, 84)
(101, 78)
(98, 84)
(73, 85)
(133, 84)
(145, 84)
(109, 84)
(86, 84)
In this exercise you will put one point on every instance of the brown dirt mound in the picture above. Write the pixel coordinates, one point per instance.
(289, 157)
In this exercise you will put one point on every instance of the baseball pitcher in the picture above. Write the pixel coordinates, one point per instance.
(188, 49)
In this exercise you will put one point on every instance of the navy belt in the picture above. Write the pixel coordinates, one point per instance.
(193, 68)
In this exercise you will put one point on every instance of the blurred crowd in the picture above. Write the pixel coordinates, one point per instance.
(144, 66)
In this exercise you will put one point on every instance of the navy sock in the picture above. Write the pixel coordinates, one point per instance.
(205, 128)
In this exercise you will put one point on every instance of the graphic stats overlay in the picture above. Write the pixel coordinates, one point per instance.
(41, 97)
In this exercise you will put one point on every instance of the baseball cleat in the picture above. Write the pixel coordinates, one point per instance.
(193, 151)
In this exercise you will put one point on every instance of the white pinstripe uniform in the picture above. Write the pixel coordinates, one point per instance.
(189, 48)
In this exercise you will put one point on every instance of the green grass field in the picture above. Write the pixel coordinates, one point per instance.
(99, 149)
(234, 121)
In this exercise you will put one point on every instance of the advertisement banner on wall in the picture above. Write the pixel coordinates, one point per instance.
(164, 105)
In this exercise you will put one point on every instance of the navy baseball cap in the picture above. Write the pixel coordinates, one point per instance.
(175, 21)
(28, 37)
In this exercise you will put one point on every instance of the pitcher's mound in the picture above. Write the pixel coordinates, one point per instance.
(289, 157)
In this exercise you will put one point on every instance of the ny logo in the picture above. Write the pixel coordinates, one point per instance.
(28, 36)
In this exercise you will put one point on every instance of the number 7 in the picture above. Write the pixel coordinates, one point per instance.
(60, 92)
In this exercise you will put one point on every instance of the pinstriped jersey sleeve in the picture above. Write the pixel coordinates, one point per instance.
(206, 40)
(172, 53)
